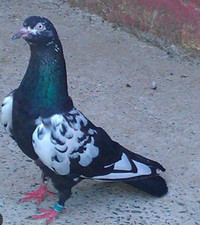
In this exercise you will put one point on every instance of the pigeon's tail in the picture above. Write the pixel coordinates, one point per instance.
(155, 186)
(152, 184)
(137, 171)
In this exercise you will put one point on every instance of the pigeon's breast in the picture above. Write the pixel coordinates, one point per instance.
(23, 123)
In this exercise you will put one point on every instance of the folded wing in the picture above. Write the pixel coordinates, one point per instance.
(69, 143)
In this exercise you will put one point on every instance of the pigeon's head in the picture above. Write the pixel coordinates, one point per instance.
(37, 30)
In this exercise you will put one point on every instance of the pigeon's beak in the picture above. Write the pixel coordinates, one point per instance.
(23, 32)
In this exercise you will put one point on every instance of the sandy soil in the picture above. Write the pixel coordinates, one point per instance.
(110, 74)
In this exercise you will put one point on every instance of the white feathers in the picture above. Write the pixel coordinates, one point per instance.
(123, 164)
(42, 146)
(123, 170)
(90, 153)
(142, 168)
(62, 168)
(32, 31)
(57, 49)
(6, 113)
(116, 176)
(60, 138)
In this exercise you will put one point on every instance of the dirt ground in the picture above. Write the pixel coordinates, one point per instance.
(110, 74)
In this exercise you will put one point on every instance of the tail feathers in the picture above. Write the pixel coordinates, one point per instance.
(155, 186)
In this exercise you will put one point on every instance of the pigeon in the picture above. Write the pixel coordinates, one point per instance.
(68, 148)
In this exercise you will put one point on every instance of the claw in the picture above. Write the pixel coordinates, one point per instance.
(38, 194)
(50, 215)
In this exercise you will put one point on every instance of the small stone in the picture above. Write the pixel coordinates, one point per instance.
(128, 85)
(153, 85)
(184, 76)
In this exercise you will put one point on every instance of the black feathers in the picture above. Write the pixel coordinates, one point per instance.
(155, 186)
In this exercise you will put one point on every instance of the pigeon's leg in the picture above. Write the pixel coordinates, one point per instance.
(51, 214)
(64, 185)
(38, 194)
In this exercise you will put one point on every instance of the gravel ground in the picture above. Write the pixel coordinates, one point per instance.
(110, 76)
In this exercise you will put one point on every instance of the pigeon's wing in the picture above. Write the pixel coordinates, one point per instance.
(71, 144)
(6, 113)
(63, 139)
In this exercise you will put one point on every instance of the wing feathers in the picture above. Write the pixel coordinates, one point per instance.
(123, 164)
(67, 142)
(125, 169)
(62, 138)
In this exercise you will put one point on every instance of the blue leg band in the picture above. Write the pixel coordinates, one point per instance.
(58, 207)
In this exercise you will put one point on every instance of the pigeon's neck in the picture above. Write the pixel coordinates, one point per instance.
(45, 81)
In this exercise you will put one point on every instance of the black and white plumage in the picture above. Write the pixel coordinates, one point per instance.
(41, 118)
(63, 141)
(65, 137)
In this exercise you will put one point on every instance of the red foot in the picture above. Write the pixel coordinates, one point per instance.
(38, 194)
(50, 215)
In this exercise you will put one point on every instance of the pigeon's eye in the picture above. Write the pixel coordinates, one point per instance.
(40, 26)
